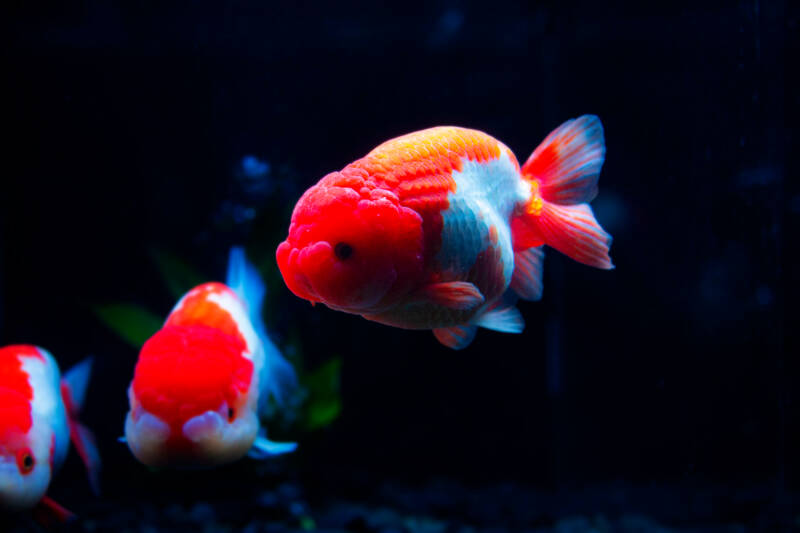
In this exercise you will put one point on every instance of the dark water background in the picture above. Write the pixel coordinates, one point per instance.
(664, 389)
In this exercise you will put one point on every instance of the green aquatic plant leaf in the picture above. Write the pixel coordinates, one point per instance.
(132, 322)
(324, 403)
(178, 275)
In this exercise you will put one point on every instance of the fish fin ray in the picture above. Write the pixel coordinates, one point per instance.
(567, 163)
(574, 231)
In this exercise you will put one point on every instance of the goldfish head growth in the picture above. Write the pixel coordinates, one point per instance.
(351, 245)
(192, 400)
(26, 447)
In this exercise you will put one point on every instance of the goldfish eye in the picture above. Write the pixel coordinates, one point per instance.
(231, 414)
(343, 251)
(25, 461)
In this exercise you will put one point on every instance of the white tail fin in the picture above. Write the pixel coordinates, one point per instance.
(278, 373)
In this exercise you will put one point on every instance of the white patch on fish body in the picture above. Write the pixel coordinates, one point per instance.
(146, 434)
(47, 407)
(229, 302)
(486, 195)
(219, 440)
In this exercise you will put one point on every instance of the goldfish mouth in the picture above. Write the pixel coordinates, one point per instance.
(314, 274)
(207, 439)
(290, 264)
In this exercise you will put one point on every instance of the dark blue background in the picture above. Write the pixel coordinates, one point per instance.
(125, 125)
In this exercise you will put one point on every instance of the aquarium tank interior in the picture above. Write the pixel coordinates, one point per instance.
(145, 141)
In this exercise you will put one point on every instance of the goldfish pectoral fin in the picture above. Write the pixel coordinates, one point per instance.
(84, 442)
(50, 514)
(527, 278)
(459, 295)
(264, 448)
(504, 319)
(456, 337)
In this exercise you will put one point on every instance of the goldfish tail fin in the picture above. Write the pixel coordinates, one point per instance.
(83, 439)
(243, 278)
(567, 163)
(74, 384)
(527, 278)
(278, 373)
(563, 173)
(573, 231)
(73, 392)
(263, 448)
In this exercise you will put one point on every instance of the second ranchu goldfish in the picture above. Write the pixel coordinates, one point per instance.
(203, 380)
(38, 417)
(429, 230)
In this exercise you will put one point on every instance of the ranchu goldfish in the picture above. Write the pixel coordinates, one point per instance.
(204, 380)
(429, 230)
(38, 417)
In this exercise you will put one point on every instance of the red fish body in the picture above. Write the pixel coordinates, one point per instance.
(202, 379)
(38, 415)
(429, 230)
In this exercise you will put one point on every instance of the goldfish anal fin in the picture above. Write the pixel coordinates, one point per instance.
(456, 337)
(503, 319)
(567, 163)
(458, 295)
(50, 514)
(527, 278)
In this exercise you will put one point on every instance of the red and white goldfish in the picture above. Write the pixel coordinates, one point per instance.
(429, 230)
(204, 378)
(38, 416)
